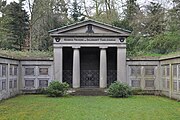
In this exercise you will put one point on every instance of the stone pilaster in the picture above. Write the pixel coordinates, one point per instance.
(58, 64)
(121, 65)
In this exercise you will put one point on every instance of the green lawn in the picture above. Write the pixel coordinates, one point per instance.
(39, 107)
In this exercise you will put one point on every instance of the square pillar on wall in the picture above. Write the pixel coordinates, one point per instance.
(121, 64)
(58, 64)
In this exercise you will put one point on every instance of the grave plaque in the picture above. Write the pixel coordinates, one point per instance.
(164, 83)
(4, 84)
(15, 83)
(175, 85)
(29, 83)
(10, 84)
(29, 71)
(135, 70)
(149, 83)
(15, 70)
(167, 70)
(43, 71)
(11, 70)
(163, 71)
(174, 70)
(149, 70)
(135, 83)
(43, 82)
(3, 70)
(168, 84)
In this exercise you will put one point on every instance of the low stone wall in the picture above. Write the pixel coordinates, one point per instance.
(9, 78)
(24, 75)
(143, 74)
(170, 77)
(29, 75)
(36, 74)
(159, 74)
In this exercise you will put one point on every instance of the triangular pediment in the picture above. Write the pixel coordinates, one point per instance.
(89, 27)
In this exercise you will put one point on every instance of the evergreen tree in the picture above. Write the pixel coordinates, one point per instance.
(17, 24)
(76, 12)
(4, 33)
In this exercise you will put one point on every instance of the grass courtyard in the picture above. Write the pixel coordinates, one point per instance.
(40, 107)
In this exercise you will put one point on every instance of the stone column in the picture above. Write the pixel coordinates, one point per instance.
(121, 64)
(58, 64)
(76, 68)
(103, 68)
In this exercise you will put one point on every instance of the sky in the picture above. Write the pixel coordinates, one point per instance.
(8, 1)
(141, 2)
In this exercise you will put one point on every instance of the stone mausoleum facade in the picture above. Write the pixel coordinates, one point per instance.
(90, 54)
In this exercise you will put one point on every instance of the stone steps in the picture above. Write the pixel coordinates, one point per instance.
(30, 91)
(88, 92)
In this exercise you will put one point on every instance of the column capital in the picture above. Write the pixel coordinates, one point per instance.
(76, 47)
(103, 47)
(58, 47)
(122, 46)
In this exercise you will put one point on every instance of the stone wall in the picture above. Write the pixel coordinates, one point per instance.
(27, 75)
(9, 78)
(170, 77)
(143, 74)
(160, 74)
(35, 74)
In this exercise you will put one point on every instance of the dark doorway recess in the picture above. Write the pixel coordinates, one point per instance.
(89, 59)
(67, 65)
(111, 65)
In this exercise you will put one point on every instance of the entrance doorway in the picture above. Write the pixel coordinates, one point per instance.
(90, 59)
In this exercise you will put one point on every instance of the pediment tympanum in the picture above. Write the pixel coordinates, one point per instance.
(89, 28)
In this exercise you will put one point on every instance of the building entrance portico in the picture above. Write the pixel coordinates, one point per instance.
(89, 54)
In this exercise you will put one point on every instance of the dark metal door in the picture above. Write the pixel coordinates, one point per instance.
(89, 67)
(89, 78)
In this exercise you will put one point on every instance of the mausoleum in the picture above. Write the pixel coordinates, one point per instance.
(90, 54)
